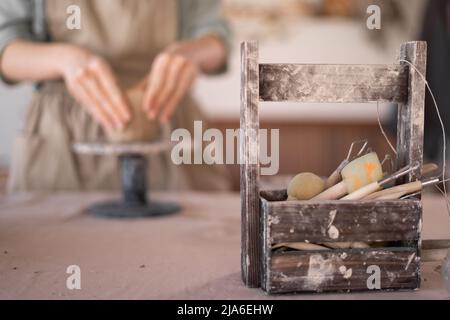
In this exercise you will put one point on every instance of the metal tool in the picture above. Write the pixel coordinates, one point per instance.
(378, 185)
(399, 191)
(356, 174)
(335, 177)
(409, 189)
(411, 195)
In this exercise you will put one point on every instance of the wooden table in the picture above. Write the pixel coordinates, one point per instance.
(195, 254)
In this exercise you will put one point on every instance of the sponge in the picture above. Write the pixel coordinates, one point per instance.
(304, 186)
(362, 171)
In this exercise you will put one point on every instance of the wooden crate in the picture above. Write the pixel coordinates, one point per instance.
(268, 219)
(396, 222)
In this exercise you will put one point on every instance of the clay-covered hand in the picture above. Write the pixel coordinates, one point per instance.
(171, 76)
(91, 81)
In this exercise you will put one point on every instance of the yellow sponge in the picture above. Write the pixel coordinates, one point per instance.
(362, 171)
(304, 186)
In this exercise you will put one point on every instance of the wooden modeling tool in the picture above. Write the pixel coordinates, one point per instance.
(335, 177)
(360, 193)
(408, 188)
(346, 245)
(432, 250)
(429, 168)
(358, 173)
(399, 191)
(300, 246)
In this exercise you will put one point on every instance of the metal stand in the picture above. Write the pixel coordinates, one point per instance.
(135, 203)
(133, 166)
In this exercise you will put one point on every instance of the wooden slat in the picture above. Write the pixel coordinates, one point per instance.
(411, 113)
(342, 221)
(320, 271)
(332, 83)
(249, 153)
(266, 242)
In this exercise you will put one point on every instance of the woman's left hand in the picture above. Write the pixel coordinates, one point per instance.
(170, 79)
(174, 71)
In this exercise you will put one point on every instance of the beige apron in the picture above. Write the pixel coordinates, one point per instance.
(129, 34)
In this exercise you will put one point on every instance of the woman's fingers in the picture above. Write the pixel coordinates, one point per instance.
(110, 89)
(155, 84)
(91, 82)
(78, 91)
(174, 71)
(100, 101)
(169, 81)
(183, 85)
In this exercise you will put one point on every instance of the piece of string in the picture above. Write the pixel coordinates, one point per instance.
(443, 132)
(388, 157)
(382, 130)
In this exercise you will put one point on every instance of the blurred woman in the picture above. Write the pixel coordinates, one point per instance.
(81, 76)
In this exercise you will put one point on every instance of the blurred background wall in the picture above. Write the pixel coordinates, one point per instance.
(313, 137)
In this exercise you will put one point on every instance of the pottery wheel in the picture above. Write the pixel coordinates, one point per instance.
(135, 202)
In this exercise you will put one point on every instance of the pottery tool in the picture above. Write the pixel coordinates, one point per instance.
(360, 193)
(346, 245)
(415, 187)
(399, 191)
(410, 195)
(321, 246)
(304, 186)
(429, 168)
(335, 177)
(358, 173)
(432, 250)
(300, 246)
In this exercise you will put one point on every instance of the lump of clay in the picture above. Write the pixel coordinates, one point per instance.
(140, 128)
(304, 186)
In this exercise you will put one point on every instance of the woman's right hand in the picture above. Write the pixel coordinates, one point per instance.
(89, 78)
(91, 81)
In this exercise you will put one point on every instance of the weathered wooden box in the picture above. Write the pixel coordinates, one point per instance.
(393, 228)
(394, 224)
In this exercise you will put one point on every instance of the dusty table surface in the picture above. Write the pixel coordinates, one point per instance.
(192, 255)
